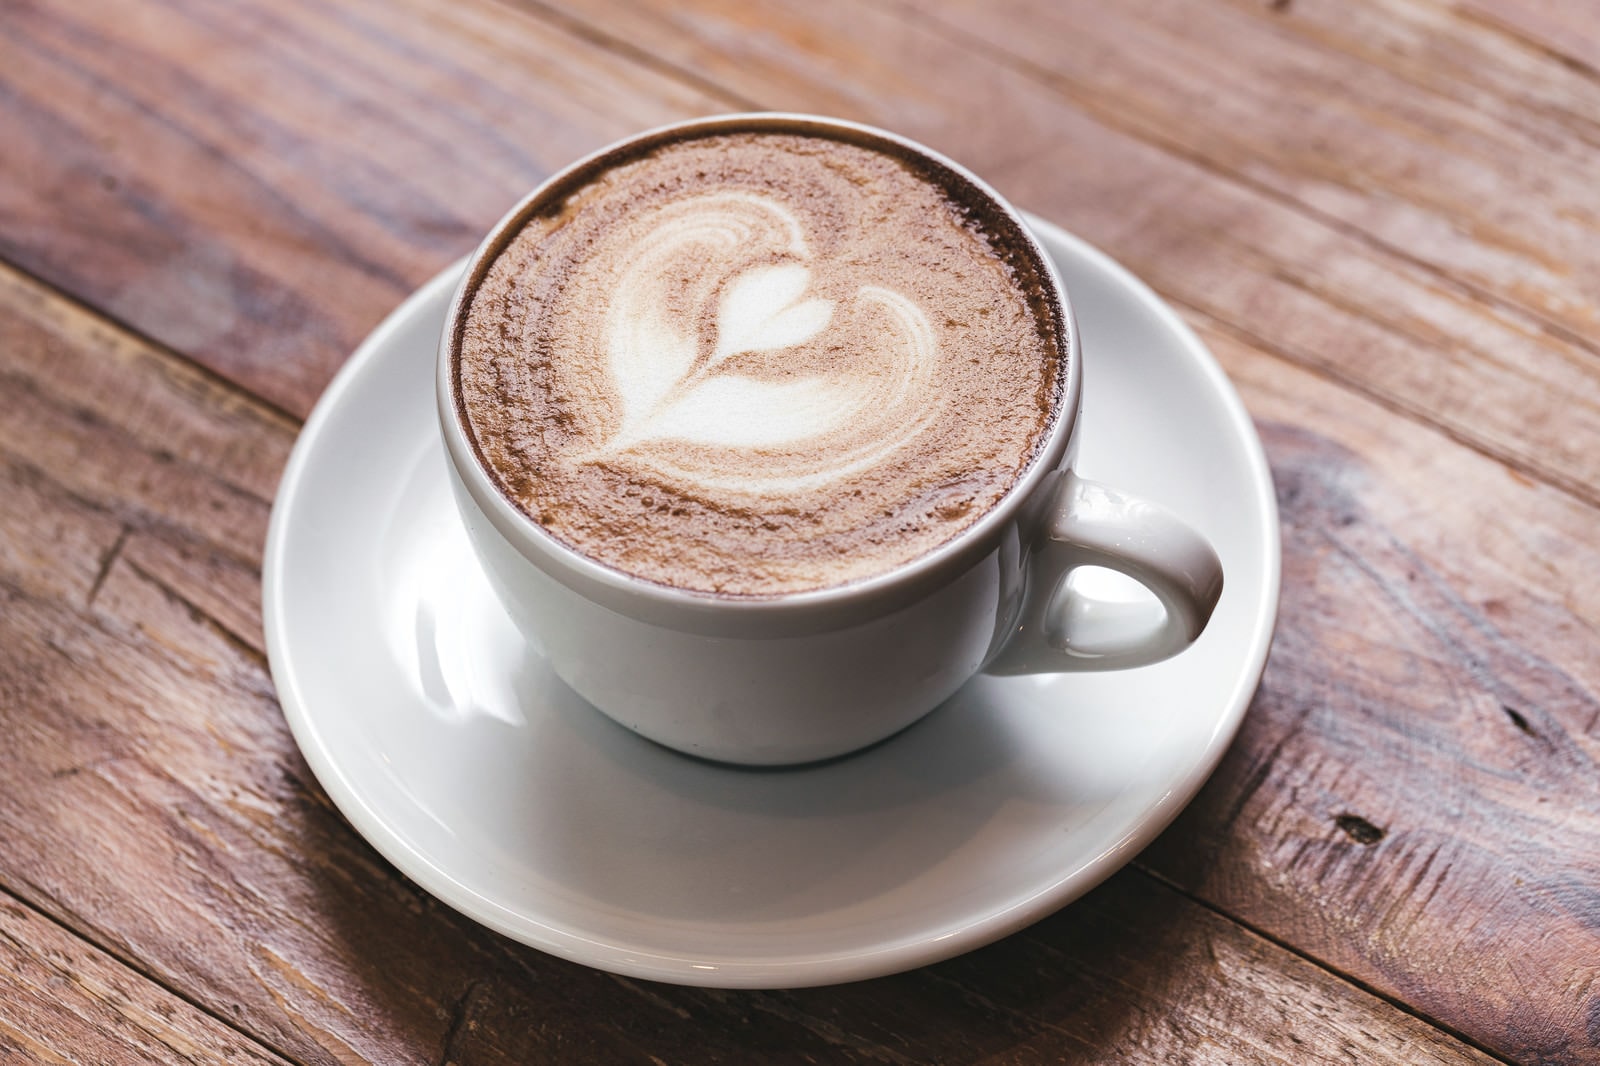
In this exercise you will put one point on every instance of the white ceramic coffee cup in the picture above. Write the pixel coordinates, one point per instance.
(810, 675)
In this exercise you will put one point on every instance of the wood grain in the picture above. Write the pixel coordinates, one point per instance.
(1310, 286)
(1413, 801)
(1415, 795)
(153, 799)
(278, 176)
(1429, 133)
(1553, 27)
(65, 1002)
(393, 135)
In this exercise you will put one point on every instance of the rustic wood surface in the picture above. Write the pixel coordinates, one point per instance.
(1382, 215)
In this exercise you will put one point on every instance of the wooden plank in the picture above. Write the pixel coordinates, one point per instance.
(1315, 291)
(66, 1002)
(275, 177)
(249, 895)
(144, 734)
(202, 847)
(1558, 27)
(1415, 796)
(1369, 685)
(1445, 141)
(328, 196)
(182, 459)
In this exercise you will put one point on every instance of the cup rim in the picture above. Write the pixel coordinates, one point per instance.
(782, 614)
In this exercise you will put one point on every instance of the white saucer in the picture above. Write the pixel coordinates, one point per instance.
(486, 781)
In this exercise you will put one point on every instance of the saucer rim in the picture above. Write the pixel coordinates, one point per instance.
(787, 970)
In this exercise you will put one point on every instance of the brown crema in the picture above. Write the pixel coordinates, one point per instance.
(759, 363)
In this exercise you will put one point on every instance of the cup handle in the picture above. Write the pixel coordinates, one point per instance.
(1088, 524)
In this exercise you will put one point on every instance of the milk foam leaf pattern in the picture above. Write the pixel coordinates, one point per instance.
(733, 411)
(759, 312)
(668, 397)
(649, 354)
(761, 323)
(648, 360)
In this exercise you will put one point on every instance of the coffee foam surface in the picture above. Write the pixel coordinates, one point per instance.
(757, 363)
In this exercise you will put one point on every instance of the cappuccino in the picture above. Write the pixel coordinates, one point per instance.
(759, 362)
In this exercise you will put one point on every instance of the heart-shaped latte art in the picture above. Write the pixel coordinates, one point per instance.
(758, 362)
(674, 388)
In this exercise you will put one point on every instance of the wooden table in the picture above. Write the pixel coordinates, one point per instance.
(1382, 215)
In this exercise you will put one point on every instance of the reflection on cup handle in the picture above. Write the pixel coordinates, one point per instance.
(1088, 524)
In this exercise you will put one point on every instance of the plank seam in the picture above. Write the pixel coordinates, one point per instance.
(1516, 36)
(1568, 486)
(989, 1003)
(87, 35)
(1285, 26)
(232, 639)
(264, 406)
(627, 51)
(1342, 975)
(10, 893)
(1575, 490)
(1124, 122)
